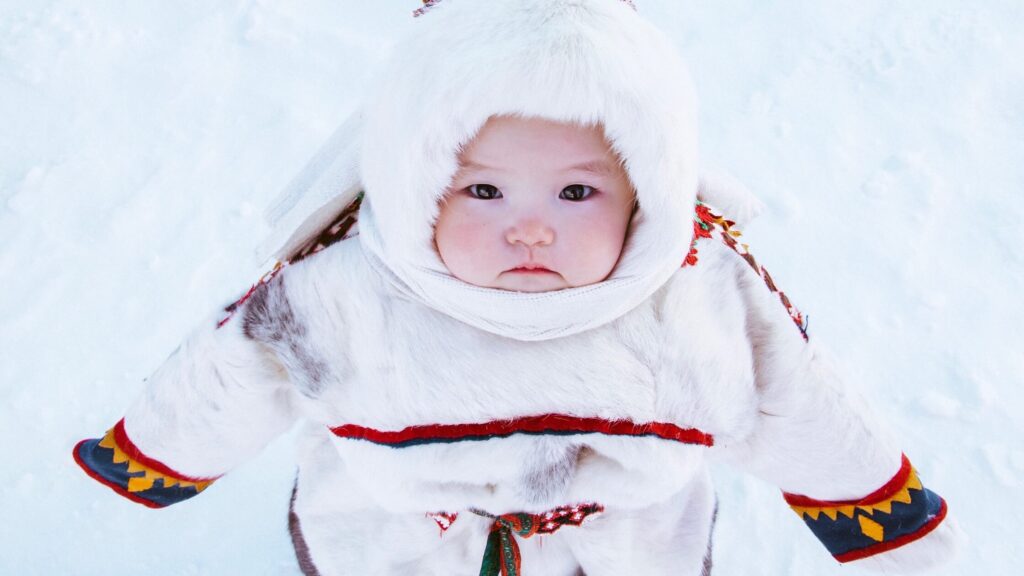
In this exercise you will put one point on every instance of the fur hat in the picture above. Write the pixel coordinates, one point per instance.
(593, 62)
(582, 61)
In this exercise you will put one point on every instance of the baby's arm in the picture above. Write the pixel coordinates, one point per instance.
(854, 489)
(214, 403)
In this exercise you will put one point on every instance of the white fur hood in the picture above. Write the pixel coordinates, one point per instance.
(584, 61)
(594, 62)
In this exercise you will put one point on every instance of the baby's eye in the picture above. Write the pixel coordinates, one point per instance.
(576, 192)
(484, 192)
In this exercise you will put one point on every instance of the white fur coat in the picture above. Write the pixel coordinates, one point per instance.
(325, 341)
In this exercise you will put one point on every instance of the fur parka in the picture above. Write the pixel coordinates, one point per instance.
(713, 351)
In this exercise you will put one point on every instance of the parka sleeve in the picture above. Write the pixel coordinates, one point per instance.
(215, 402)
(837, 467)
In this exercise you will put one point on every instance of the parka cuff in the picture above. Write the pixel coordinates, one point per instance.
(118, 464)
(900, 512)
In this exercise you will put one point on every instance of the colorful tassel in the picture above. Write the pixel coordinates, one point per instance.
(502, 556)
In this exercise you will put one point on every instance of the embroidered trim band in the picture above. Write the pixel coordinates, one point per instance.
(343, 227)
(117, 463)
(444, 520)
(705, 224)
(230, 310)
(896, 514)
(551, 424)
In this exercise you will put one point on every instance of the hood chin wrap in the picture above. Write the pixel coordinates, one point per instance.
(579, 61)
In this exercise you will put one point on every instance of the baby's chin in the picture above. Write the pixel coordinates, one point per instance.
(530, 282)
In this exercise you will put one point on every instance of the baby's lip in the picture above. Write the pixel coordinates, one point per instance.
(530, 267)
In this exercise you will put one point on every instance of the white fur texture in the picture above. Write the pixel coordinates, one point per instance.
(581, 61)
(330, 341)
(585, 61)
(326, 185)
(713, 350)
(728, 195)
(935, 549)
(199, 408)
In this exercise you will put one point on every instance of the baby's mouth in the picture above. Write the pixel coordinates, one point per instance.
(530, 269)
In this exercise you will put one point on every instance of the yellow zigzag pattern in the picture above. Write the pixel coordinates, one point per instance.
(903, 496)
(145, 482)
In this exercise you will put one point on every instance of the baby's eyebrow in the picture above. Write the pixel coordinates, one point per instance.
(467, 165)
(599, 167)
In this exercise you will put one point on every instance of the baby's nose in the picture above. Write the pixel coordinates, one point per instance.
(531, 232)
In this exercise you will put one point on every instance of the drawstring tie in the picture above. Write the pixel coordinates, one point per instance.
(501, 556)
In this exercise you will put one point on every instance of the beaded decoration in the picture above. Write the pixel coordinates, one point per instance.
(502, 556)
(444, 520)
(343, 227)
(428, 4)
(230, 309)
(706, 224)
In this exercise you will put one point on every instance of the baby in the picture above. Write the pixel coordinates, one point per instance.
(538, 334)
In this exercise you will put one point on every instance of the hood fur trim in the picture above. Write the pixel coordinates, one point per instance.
(582, 61)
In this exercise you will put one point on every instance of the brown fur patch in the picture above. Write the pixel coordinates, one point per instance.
(271, 320)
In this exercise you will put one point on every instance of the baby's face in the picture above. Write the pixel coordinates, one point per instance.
(535, 206)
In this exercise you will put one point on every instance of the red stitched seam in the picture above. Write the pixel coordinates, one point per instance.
(543, 423)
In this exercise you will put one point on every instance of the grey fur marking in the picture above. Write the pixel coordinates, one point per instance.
(550, 479)
(271, 320)
(711, 537)
(298, 539)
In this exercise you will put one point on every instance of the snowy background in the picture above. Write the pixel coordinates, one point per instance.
(140, 142)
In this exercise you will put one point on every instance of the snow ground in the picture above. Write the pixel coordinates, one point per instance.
(140, 142)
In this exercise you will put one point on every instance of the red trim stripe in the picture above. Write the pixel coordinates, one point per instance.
(897, 483)
(116, 488)
(895, 542)
(133, 452)
(550, 423)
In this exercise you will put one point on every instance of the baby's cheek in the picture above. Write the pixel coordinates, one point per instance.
(601, 245)
(466, 248)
